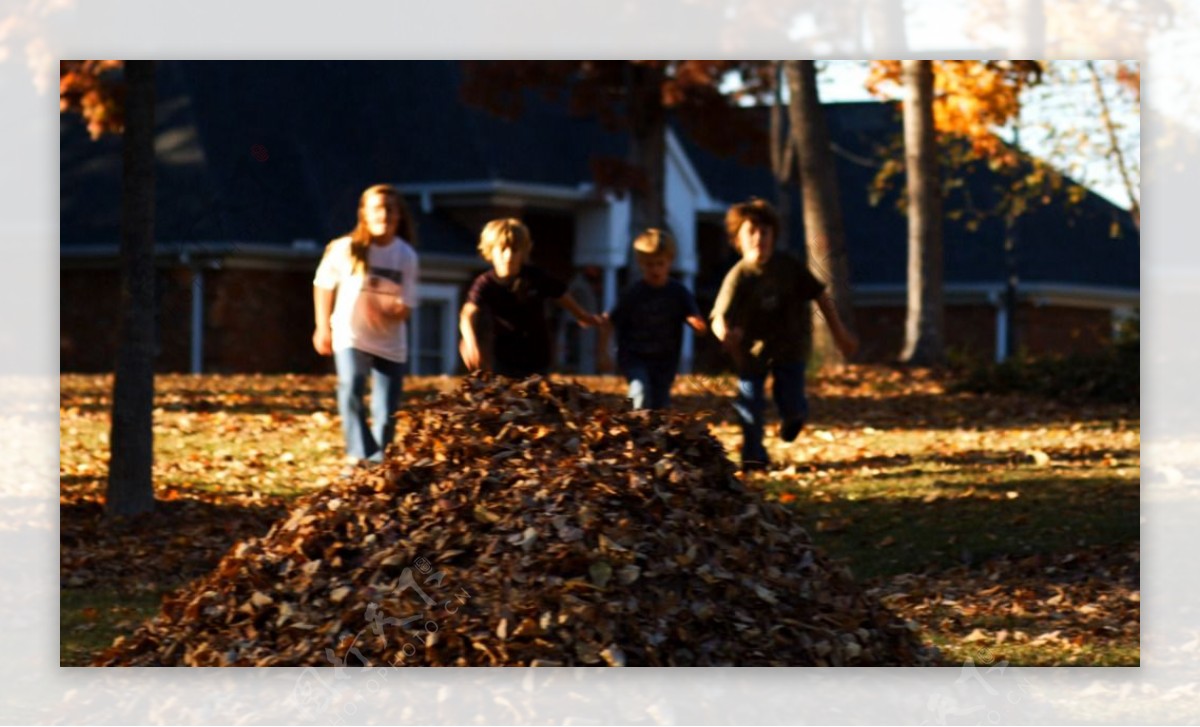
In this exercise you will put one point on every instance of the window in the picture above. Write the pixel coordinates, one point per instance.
(430, 334)
(432, 331)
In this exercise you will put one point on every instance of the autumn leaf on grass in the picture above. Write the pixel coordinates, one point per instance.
(1040, 458)
(977, 635)
(833, 525)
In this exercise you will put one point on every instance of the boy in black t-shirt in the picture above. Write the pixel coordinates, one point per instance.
(649, 318)
(761, 317)
(503, 322)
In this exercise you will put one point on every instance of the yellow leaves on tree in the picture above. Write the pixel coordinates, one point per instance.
(94, 90)
(971, 98)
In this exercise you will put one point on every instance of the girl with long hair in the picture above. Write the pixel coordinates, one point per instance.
(364, 292)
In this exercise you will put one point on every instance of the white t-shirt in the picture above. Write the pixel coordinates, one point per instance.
(356, 320)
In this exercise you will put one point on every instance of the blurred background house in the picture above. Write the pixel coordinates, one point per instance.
(261, 163)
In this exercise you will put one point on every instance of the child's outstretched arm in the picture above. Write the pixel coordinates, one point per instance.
(730, 338)
(846, 341)
(472, 353)
(581, 316)
(698, 325)
(322, 310)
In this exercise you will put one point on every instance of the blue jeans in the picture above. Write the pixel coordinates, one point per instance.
(751, 404)
(649, 381)
(387, 384)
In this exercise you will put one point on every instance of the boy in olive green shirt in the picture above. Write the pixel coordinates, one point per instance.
(761, 318)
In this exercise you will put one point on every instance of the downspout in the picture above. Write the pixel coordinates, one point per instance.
(689, 340)
(197, 313)
(1000, 303)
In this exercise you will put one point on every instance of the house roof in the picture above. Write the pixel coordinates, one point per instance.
(1056, 242)
(277, 151)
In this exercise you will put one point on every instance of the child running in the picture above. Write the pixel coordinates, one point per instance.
(649, 318)
(762, 319)
(503, 322)
(364, 292)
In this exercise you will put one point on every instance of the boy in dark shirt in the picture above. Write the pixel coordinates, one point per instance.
(503, 322)
(649, 318)
(761, 318)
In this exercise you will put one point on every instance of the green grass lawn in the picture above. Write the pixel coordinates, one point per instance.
(1006, 528)
(91, 618)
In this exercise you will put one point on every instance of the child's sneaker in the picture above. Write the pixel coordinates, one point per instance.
(789, 430)
(754, 466)
(353, 466)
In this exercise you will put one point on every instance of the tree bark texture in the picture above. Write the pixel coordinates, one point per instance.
(924, 331)
(130, 486)
(824, 231)
(782, 148)
(648, 145)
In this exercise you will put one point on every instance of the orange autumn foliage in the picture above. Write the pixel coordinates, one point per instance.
(94, 90)
(971, 98)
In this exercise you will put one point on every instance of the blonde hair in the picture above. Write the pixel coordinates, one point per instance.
(507, 232)
(654, 243)
(758, 212)
(360, 237)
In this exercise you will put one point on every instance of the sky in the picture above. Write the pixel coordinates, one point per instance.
(1051, 113)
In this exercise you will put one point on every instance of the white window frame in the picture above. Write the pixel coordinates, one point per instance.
(444, 293)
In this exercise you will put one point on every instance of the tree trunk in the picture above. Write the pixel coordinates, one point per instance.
(823, 231)
(782, 151)
(130, 487)
(924, 338)
(648, 145)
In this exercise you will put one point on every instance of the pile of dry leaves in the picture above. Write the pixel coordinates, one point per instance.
(528, 523)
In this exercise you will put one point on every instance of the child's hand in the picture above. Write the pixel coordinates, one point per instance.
(848, 343)
(587, 320)
(323, 341)
(470, 354)
(396, 308)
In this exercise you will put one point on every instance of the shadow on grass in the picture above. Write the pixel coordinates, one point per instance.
(113, 573)
(886, 536)
(180, 540)
(250, 401)
(967, 459)
(89, 620)
(914, 411)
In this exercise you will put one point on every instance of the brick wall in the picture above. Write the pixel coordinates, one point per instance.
(255, 321)
(261, 321)
(972, 329)
(88, 316)
(1059, 329)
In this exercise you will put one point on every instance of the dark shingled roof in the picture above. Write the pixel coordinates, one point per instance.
(1056, 243)
(277, 151)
